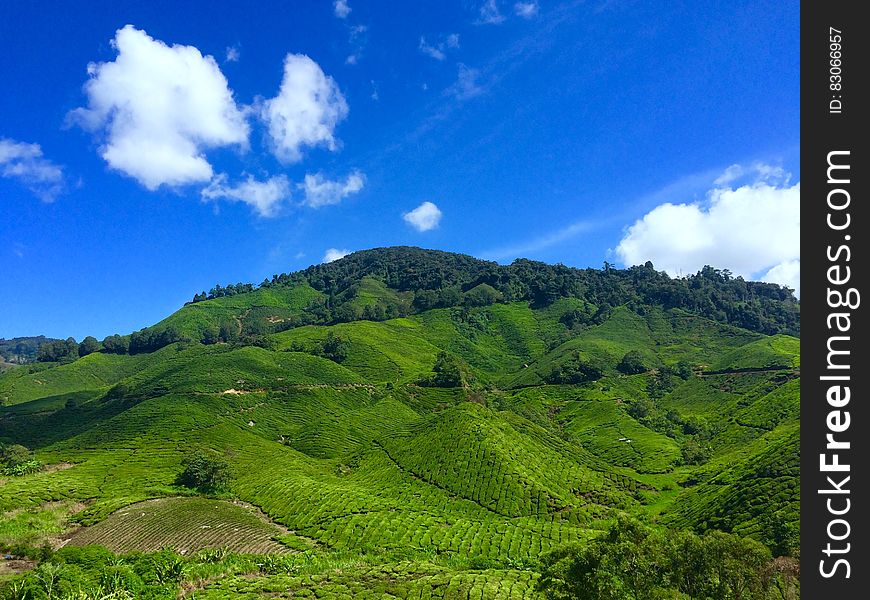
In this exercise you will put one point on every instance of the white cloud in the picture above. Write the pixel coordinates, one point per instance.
(306, 111)
(357, 40)
(787, 273)
(334, 254)
(490, 13)
(264, 197)
(526, 10)
(159, 107)
(466, 85)
(432, 51)
(755, 173)
(26, 163)
(233, 54)
(323, 192)
(752, 230)
(424, 217)
(438, 51)
(728, 175)
(341, 8)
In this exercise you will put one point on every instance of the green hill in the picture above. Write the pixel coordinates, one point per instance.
(407, 423)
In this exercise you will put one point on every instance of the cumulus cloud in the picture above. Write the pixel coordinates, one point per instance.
(342, 8)
(159, 107)
(26, 164)
(526, 10)
(306, 110)
(320, 191)
(424, 217)
(334, 254)
(490, 13)
(438, 50)
(265, 197)
(752, 230)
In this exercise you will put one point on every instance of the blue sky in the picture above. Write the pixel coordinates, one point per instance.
(151, 150)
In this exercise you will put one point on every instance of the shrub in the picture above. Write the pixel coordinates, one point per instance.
(632, 363)
(204, 472)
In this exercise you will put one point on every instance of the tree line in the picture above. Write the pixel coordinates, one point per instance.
(442, 279)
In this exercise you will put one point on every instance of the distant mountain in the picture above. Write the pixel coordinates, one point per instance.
(429, 421)
(22, 350)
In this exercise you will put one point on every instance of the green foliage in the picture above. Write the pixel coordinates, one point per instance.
(116, 344)
(151, 339)
(634, 562)
(58, 351)
(448, 372)
(89, 345)
(22, 350)
(576, 370)
(205, 472)
(334, 347)
(16, 460)
(632, 363)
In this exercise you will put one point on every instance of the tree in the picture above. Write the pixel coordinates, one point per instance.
(576, 370)
(116, 344)
(89, 345)
(632, 561)
(228, 332)
(205, 472)
(448, 372)
(211, 335)
(334, 347)
(59, 351)
(482, 295)
(632, 363)
(14, 454)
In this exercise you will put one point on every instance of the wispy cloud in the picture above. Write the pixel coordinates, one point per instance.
(548, 240)
(26, 164)
(438, 50)
(357, 40)
(526, 10)
(467, 84)
(431, 51)
(489, 13)
(333, 254)
(341, 9)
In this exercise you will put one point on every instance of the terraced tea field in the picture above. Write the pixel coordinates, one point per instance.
(186, 525)
(406, 581)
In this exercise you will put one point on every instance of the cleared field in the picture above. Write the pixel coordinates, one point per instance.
(185, 525)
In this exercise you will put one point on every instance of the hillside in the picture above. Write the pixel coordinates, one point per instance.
(21, 350)
(407, 423)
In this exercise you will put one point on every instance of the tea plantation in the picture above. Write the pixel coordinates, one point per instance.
(409, 424)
